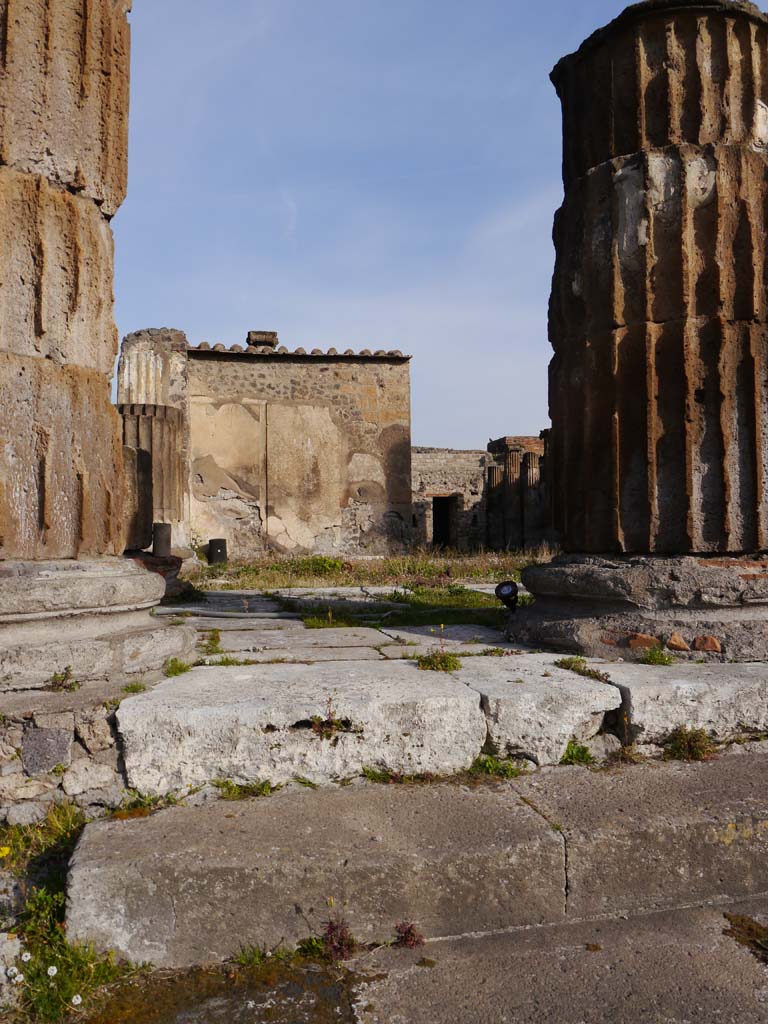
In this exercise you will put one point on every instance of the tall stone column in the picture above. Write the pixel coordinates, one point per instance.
(659, 324)
(64, 84)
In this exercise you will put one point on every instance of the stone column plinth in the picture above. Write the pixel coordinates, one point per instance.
(64, 82)
(659, 311)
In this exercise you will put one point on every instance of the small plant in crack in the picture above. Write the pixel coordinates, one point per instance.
(657, 656)
(439, 661)
(580, 667)
(229, 790)
(388, 778)
(133, 688)
(498, 767)
(328, 726)
(684, 744)
(577, 753)
(408, 936)
(175, 667)
(212, 643)
(338, 941)
(63, 682)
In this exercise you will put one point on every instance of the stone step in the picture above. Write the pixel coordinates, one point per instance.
(256, 722)
(191, 884)
(671, 967)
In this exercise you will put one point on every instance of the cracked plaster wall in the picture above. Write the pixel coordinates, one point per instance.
(306, 455)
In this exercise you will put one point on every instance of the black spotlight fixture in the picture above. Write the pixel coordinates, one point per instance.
(507, 594)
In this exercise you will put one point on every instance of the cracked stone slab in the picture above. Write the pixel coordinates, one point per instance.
(306, 655)
(254, 640)
(533, 707)
(727, 700)
(673, 967)
(192, 884)
(399, 651)
(653, 836)
(462, 634)
(256, 723)
(285, 621)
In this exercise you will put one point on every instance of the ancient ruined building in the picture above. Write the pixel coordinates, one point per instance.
(470, 500)
(64, 75)
(268, 449)
(659, 322)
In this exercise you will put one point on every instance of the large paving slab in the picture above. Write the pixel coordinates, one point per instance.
(672, 968)
(299, 655)
(658, 835)
(534, 708)
(190, 885)
(256, 722)
(273, 639)
(727, 700)
(452, 633)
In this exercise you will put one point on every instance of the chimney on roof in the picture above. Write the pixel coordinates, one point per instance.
(262, 339)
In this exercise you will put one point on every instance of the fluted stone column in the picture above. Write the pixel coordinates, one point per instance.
(659, 324)
(64, 83)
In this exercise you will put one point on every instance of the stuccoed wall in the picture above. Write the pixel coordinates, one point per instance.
(300, 452)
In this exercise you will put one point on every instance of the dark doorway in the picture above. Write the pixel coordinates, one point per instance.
(444, 522)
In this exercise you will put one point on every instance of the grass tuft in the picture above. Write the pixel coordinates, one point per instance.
(175, 667)
(498, 767)
(439, 661)
(229, 790)
(212, 643)
(63, 682)
(657, 656)
(576, 753)
(579, 665)
(684, 744)
(133, 688)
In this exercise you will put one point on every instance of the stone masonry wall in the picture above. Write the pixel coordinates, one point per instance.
(300, 452)
(445, 472)
(64, 73)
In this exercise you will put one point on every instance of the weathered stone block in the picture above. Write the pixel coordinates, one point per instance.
(259, 723)
(56, 265)
(43, 749)
(534, 708)
(64, 101)
(85, 775)
(60, 462)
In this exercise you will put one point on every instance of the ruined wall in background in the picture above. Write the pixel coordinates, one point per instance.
(451, 473)
(300, 452)
(64, 80)
(470, 500)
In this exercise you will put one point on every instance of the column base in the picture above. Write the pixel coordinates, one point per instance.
(694, 607)
(83, 620)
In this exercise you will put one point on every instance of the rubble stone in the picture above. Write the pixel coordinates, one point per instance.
(44, 749)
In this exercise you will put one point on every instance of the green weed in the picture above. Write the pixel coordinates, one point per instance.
(134, 688)
(229, 790)
(580, 667)
(684, 744)
(498, 767)
(212, 643)
(576, 753)
(63, 682)
(175, 667)
(657, 656)
(438, 661)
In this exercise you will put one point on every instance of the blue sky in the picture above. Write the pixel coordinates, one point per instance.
(356, 174)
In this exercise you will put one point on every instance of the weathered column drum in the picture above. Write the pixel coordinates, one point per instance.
(659, 324)
(64, 85)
